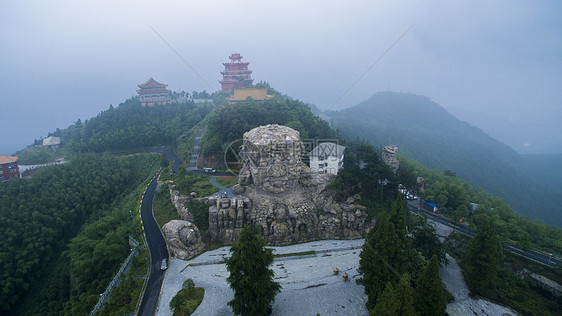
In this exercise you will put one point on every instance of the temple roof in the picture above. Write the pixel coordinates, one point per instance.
(151, 83)
(257, 94)
(7, 159)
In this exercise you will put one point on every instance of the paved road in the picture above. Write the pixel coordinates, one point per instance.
(158, 251)
(170, 156)
(530, 254)
(223, 191)
(154, 238)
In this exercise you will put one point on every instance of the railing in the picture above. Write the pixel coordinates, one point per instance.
(105, 296)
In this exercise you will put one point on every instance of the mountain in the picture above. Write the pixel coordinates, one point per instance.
(541, 135)
(427, 133)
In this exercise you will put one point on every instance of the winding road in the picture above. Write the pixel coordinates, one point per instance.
(154, 239)
(158, 251)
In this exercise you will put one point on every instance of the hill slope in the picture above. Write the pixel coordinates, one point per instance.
(426, 132)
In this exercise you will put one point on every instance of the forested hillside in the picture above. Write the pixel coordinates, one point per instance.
(427, 133)
(131, 126)
(229, 122)
(42, 214)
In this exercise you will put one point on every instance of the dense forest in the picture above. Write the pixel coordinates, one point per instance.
(427, 133)
(47, 254)
(228, 123)
(128, 126)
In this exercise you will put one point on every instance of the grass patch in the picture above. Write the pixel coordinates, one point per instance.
(164, 210)
(294, 254)
(38, 155)
(186, 184)
(227, 181)
(139, 266)
(123, 299)
(186, 301)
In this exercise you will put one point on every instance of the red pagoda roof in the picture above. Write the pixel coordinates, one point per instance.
(235, 56)
(151, 83)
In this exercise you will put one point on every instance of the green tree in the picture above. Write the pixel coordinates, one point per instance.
(484, 255)
(396, 300)
(250, 277)
(376, 262)
(461, 212)
(403, 242)
(425, 240)
(429, 295)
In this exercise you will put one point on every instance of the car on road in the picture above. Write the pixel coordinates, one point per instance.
(164, 264)
(209, 170)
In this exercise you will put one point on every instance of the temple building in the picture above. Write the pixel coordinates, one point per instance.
(236, 74)
(153, 93)
(9, 167)
(253, 94)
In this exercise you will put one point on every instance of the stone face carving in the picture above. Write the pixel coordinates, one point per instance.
(184, 239)
(272, 159)
(280, 195)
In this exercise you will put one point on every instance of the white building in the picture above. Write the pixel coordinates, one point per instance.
(51, 142)
(327, 158)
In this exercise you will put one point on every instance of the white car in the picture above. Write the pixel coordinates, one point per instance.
(164, 264)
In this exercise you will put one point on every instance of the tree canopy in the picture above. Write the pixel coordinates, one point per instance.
(42, 214)
(484, 255)
(250, 278)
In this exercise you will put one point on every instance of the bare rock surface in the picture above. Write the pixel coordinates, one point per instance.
(184, 239)
(279, 194)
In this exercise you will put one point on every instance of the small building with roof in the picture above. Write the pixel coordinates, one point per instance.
(327, 158)
(9, 167)
(153, 93)
(51, 143)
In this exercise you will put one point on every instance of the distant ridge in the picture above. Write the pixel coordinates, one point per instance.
(427, 133)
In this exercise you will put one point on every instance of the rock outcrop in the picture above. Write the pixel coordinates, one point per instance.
(279, 194)
(184, 239)
(180, 202)
(390, 157)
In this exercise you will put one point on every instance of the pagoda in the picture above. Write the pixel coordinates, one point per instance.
(236, 74)
(153, 93)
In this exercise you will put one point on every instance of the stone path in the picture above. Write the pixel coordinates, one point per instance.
(464, 305)
(308, 283)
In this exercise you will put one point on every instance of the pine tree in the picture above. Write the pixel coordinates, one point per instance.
(250, 277)
(483, 256)
(376, 262)
(404, 254)
(396, 300)
(429, 295)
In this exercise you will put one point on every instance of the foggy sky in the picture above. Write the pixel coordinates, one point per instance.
(64, 60)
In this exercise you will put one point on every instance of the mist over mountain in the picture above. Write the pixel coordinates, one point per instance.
(531, 135)
(427, 133)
